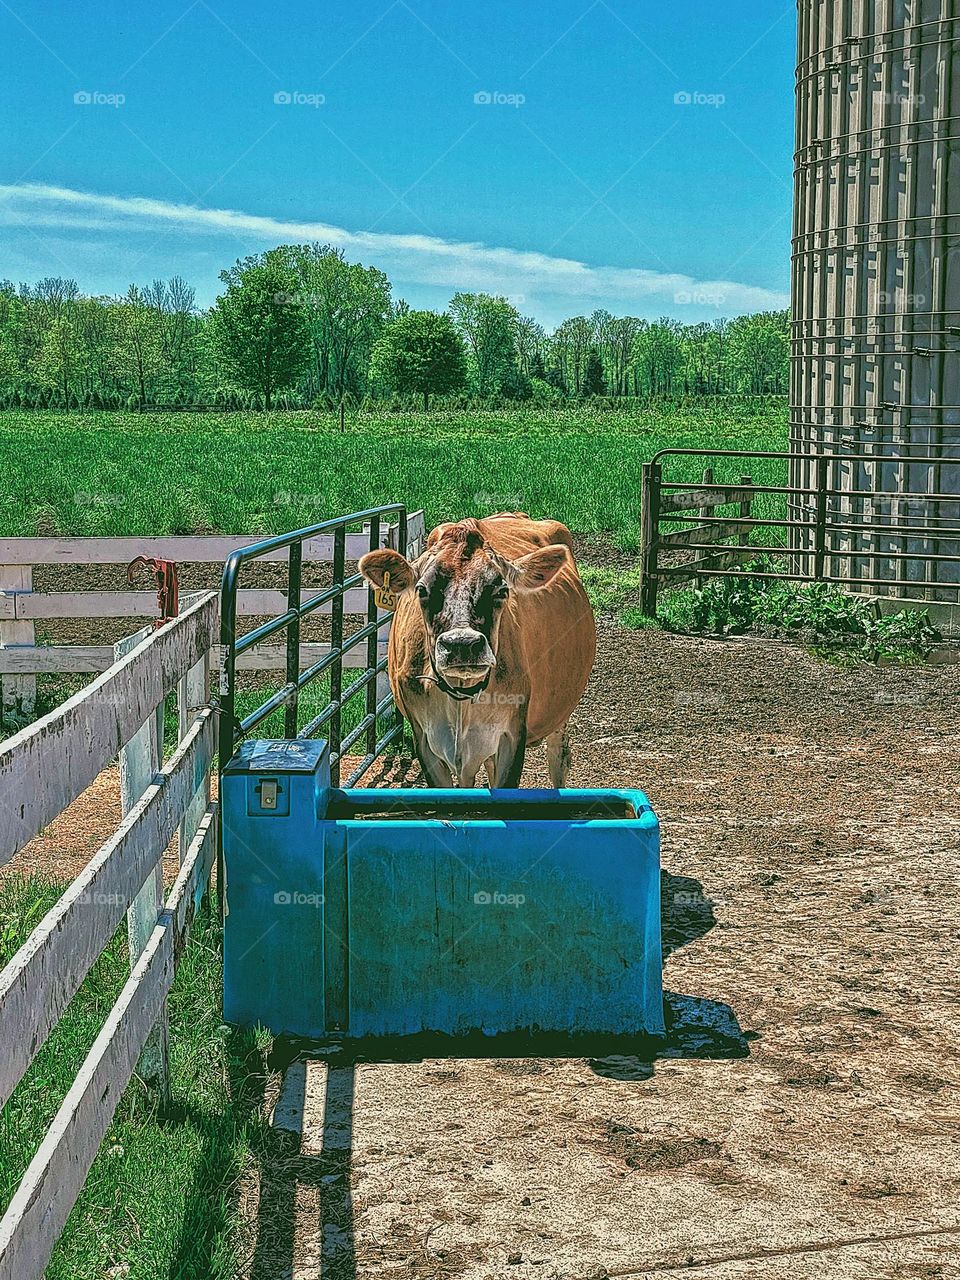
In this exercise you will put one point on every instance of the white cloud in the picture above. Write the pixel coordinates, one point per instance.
(416, 259)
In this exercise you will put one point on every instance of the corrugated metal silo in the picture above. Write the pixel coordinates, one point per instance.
(876, 289)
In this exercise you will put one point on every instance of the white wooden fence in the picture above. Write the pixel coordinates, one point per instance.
(43, 768)
(21, 607)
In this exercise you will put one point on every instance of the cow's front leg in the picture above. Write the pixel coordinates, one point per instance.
(506, 767)
(558, 757)
(435, 769)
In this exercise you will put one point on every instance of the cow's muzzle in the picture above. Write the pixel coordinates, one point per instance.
(464, 654)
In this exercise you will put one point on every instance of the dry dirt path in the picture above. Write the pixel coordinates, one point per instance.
(804, 1117)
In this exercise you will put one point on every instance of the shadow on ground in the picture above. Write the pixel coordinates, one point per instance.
(695, 1028)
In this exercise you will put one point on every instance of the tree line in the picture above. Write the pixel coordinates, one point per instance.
(300, 326)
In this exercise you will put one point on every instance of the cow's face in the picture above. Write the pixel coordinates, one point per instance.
(462, 586)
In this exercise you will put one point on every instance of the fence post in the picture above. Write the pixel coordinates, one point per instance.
(373, 643)
(391, 538)
(649, 535)
(139, 761)
(193, 694)
(820, 532)
(17, 693)
(745, 509)
(705, 514)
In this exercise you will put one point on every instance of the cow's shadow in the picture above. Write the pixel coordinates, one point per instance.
(317, 1187)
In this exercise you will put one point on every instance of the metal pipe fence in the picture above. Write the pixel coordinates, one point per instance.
(232, 728)
(700, 529)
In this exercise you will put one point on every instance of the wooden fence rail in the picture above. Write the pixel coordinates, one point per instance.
(43, 768)
(709, 527)
(21, 607)
(42, 1203)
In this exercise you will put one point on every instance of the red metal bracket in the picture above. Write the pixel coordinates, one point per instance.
(165, 576)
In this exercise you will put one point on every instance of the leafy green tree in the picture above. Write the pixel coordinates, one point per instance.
(571, 342)
(346, 306)
(96, 329)
(488, 327)
(138, 348)
(658, 357)
(11, 338)
(258, 328)
(594, 383)
(618, 336)
(59, 362)
(759, 346)
(174, 302)
(531, 343)
(421, 353)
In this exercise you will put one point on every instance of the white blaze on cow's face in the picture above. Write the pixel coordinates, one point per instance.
(462, 600)
(462, 586)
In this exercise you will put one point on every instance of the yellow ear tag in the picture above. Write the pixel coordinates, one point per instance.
(384, 597)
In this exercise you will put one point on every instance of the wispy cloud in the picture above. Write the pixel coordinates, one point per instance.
(415, 259)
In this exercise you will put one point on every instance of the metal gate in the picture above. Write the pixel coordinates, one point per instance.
(906, 545)
(233, 729)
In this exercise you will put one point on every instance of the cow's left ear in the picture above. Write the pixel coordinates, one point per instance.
(537, 568)
(375, 564)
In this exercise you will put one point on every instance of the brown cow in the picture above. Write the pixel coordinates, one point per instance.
(491, 646)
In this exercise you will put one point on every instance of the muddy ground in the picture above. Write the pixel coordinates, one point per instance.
(803, 1118)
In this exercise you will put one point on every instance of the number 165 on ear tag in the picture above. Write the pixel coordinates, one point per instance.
(383, 596)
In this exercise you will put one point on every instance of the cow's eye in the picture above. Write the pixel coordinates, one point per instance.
(500, 593)
(422, 591)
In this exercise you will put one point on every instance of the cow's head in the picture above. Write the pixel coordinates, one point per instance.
(462, 585)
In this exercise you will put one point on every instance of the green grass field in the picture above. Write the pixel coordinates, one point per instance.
(121, 473)
(161, 1198)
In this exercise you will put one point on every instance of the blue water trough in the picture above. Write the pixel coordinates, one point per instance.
(382, 913)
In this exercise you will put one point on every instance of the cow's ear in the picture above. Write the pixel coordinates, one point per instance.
(375, 564)
(537, 568)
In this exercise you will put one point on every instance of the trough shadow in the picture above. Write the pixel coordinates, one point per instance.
(695, 1027)
(294, 1185)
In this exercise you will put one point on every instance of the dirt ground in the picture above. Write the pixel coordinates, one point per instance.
(803, 1117)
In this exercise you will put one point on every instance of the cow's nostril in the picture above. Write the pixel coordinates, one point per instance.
(461, 647)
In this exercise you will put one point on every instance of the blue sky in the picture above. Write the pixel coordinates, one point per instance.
(538, 151)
